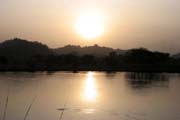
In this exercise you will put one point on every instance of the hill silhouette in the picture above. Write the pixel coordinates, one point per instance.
(18, 54)
(22, 50)
(176, 56)
(95, 50)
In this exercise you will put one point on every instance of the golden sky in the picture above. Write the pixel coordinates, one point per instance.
(153, 24)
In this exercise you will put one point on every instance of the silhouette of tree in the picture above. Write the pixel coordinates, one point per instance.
(71, 59)
(88, 60)
(144, 56)
(112, 59)
(3, 60)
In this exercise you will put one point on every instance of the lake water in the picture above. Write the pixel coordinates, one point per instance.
(90, 96)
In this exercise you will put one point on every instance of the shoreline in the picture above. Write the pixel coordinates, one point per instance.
(123, 68)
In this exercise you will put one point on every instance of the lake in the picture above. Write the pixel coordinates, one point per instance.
(89, 96)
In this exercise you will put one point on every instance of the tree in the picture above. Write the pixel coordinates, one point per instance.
(112, 59)
(144, 56)
(88, 60)
(3, 60)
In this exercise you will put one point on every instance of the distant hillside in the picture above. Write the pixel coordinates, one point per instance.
(22, 49)
(22, 55)
(176, 56)
(94, 50)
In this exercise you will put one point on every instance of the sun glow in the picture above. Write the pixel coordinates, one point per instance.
(90, 25)
(90, 92)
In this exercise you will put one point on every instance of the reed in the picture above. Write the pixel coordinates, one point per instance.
(6, 105)
(61, 115)
(29, 108)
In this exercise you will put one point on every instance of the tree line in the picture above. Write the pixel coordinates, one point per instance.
(133, 59)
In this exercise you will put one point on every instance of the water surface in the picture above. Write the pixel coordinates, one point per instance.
(90, 96)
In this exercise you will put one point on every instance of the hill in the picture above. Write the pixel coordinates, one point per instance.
(22, 55)
(176, 56)
(18, 49)
(93, 50)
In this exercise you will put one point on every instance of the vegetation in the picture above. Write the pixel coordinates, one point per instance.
(23, 55)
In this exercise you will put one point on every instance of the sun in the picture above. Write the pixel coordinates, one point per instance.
(90, 25)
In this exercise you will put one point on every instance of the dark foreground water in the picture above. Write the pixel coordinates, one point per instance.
(90, 96)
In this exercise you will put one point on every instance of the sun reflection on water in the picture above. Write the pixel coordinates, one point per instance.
(90, 92)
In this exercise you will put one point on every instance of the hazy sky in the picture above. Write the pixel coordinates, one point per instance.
(154, 24)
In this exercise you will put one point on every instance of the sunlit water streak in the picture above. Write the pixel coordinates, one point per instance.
(90, 91)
